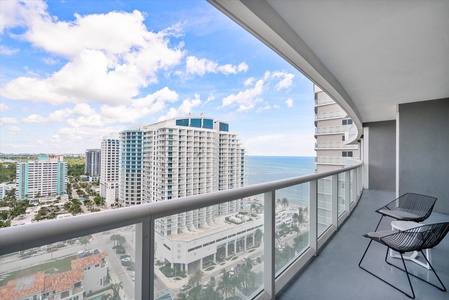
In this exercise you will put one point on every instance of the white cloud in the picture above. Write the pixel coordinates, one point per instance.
(285, 82)
(111, 57)
(196, 66)
(184, 109)
(3, 107)
(7, 51)
(262, 108)
(50, 61)
(8, 121)
(246, 99)
(13, 129)
(289, 102)
(34, 118)
(249, 81)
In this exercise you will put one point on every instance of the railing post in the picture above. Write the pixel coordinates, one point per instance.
(347, 192)
(354, 186)
(334, 197)
(313, 216)
(144, 271)
(269, 243)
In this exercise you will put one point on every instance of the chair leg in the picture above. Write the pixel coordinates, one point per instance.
(434, 272)
(408, 277)
(443, 288)
(410, 296)
(379, 223)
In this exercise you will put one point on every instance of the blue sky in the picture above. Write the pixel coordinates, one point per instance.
(74, 71)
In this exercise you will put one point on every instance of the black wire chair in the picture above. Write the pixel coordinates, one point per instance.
(414, 239)
(408, 207)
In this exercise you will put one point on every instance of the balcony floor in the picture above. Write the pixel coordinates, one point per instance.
(334, 273)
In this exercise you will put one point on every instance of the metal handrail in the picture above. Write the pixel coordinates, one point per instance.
(20, 238)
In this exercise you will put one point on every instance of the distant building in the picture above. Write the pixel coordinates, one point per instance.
(3, 190)
(332, 123)
(130, 167)
(332, 152)
(88, 274)
(44, 177)
(109, 176)
(92, 166)
(191, 156)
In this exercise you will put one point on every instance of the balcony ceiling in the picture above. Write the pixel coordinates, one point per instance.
(367, 55)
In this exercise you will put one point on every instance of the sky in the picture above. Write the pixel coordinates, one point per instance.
(72, 72)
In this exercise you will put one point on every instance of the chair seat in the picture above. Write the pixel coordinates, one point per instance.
(379, 234)
(399, 214)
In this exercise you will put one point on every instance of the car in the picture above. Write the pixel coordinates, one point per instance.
(232, 271)
(185, 287)
(124, 256)
(126, 259)
(130, 267)
(205, 285)
(212, 281)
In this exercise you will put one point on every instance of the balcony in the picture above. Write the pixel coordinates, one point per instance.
(137, 224)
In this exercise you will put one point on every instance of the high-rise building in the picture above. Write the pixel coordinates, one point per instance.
(43, 177)
(130, 167)
(93, 162)
(109, 176)
(332, 152)
(190, 156)
(331, 123)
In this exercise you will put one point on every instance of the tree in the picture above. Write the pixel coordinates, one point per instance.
(181, 296)
(258, 236)
(210, 294)
(226, 284)
(115, 287)
(85, 240)
(285, 202)
(195, 279)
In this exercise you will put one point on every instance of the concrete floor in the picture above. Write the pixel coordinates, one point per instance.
(334, 273)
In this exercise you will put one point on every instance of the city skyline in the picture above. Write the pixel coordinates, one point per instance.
(180, 58)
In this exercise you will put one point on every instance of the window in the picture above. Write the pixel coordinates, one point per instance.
(65, 294)
(343, 138)
(346, 154)
(346, 122)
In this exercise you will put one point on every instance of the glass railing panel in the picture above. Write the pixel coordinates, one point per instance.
(291, 225)
(92, 267)
(324, 197)
(351, 186)
(341, 206)
(211, 253)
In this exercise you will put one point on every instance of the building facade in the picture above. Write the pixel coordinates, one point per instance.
(44, 177)
(92, 166)
(191, 156)
(130, 167)
(332, 152)
(109, 175)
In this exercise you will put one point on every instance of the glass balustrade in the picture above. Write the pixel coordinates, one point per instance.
(247, 242)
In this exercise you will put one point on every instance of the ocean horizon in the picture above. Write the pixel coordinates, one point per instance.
(260, 169)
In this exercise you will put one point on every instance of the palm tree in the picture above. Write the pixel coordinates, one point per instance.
(284, 202)
(210, 294)
(195, 279)
(258, 236)
(181, 296)
(226, 284)
(248, 263)
(116, 287)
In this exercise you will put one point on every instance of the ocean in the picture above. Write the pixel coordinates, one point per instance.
(261, 169)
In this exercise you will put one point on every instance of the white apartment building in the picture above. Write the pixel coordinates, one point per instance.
(43, 177)
(109, 175)
(332, 152)
(190, 156)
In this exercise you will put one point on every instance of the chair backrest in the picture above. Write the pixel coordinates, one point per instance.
(415, 203)
(418, 238)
